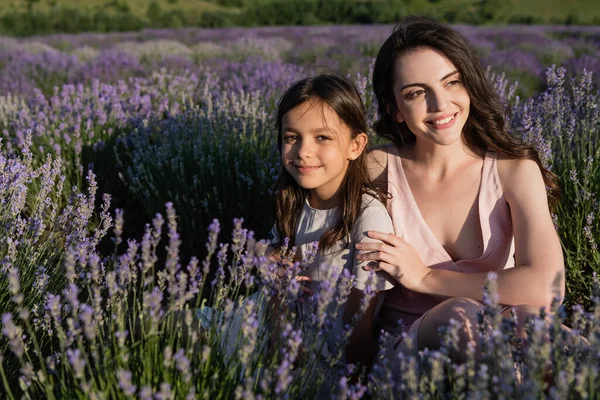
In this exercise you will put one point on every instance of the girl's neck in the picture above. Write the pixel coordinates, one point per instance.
(322, 201)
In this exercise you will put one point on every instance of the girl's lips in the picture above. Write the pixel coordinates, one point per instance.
(305, 169)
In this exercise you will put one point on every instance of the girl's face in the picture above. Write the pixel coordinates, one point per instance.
(430, 96)
(316, 150)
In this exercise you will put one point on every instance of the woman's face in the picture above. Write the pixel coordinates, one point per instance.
(430, 96)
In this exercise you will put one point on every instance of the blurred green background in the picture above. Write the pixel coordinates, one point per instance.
(37, 17)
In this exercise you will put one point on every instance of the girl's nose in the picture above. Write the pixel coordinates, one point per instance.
(305, 149)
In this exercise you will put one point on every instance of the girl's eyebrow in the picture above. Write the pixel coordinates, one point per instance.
(425, 85)
(317, 130)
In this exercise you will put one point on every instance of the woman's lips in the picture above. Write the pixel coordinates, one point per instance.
(447, 122)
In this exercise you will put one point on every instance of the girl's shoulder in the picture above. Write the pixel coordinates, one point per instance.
(372, 210)
(373, 217)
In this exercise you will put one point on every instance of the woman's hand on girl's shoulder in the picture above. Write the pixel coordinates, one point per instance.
(377, 162)
(396, 257)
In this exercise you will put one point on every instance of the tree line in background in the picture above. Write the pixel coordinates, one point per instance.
(117, 15)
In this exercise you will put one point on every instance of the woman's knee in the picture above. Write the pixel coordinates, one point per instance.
(460, 309)
(522, 313)
(464, 311)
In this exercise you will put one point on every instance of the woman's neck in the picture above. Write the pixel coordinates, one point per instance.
(440, 161)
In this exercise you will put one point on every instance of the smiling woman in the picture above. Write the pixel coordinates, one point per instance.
(467, 198)
(431, 98)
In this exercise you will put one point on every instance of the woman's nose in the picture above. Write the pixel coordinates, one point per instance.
(437, 100)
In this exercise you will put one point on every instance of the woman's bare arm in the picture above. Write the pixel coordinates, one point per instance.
(538, 253)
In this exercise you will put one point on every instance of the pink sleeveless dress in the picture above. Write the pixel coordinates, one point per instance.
(496, 226)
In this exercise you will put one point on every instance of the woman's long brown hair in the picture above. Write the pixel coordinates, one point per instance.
(485, 128)
(344, 99)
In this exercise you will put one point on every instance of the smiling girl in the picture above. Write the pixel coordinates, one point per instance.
(324, 195)
(467, 198)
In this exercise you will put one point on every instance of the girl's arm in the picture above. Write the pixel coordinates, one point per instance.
(538, 254)
(359, 348)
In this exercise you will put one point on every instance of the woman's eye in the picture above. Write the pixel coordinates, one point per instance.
(414, 94)
(454, 82)
(322, 138)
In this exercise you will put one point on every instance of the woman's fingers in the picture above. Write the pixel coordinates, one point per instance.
(372, 266)
(373, 247)
(386, 255)
(388, 238)
(389, 268)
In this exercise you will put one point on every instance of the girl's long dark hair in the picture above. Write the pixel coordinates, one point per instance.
(344, 99)
(485, 128)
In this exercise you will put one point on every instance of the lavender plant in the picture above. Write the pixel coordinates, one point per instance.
(36, 238)
(551, 363)
(218, 158)
(562, 122)
(121, 327)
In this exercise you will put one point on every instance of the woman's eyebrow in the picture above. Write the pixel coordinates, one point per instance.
(426, 85)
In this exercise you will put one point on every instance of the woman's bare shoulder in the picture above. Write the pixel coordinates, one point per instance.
(377, 162)
(517, 174)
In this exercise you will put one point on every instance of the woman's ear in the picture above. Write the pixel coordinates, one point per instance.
(357, 145)
(392, 110)
(399, 117)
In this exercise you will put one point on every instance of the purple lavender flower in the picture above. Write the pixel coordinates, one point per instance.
(165, 393)
(77, 362)
(125, 383)
(14, 334)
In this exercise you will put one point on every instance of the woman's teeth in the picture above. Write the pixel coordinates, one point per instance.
(443, 121)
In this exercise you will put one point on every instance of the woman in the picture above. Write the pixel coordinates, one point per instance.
(466, 196)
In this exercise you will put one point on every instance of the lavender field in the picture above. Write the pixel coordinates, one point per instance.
(135, 175)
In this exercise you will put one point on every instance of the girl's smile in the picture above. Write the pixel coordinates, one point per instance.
(306, 169)
(316, 150)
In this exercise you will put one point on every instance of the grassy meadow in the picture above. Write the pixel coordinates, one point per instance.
(42, 17)
(550, 11)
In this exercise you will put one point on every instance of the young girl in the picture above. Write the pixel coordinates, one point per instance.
(324, 194)
(466, 196)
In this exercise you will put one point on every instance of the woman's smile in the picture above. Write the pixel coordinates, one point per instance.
(430, 97)
(443, 122)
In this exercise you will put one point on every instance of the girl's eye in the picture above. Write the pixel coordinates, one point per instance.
(322, 138)
(289, 139)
